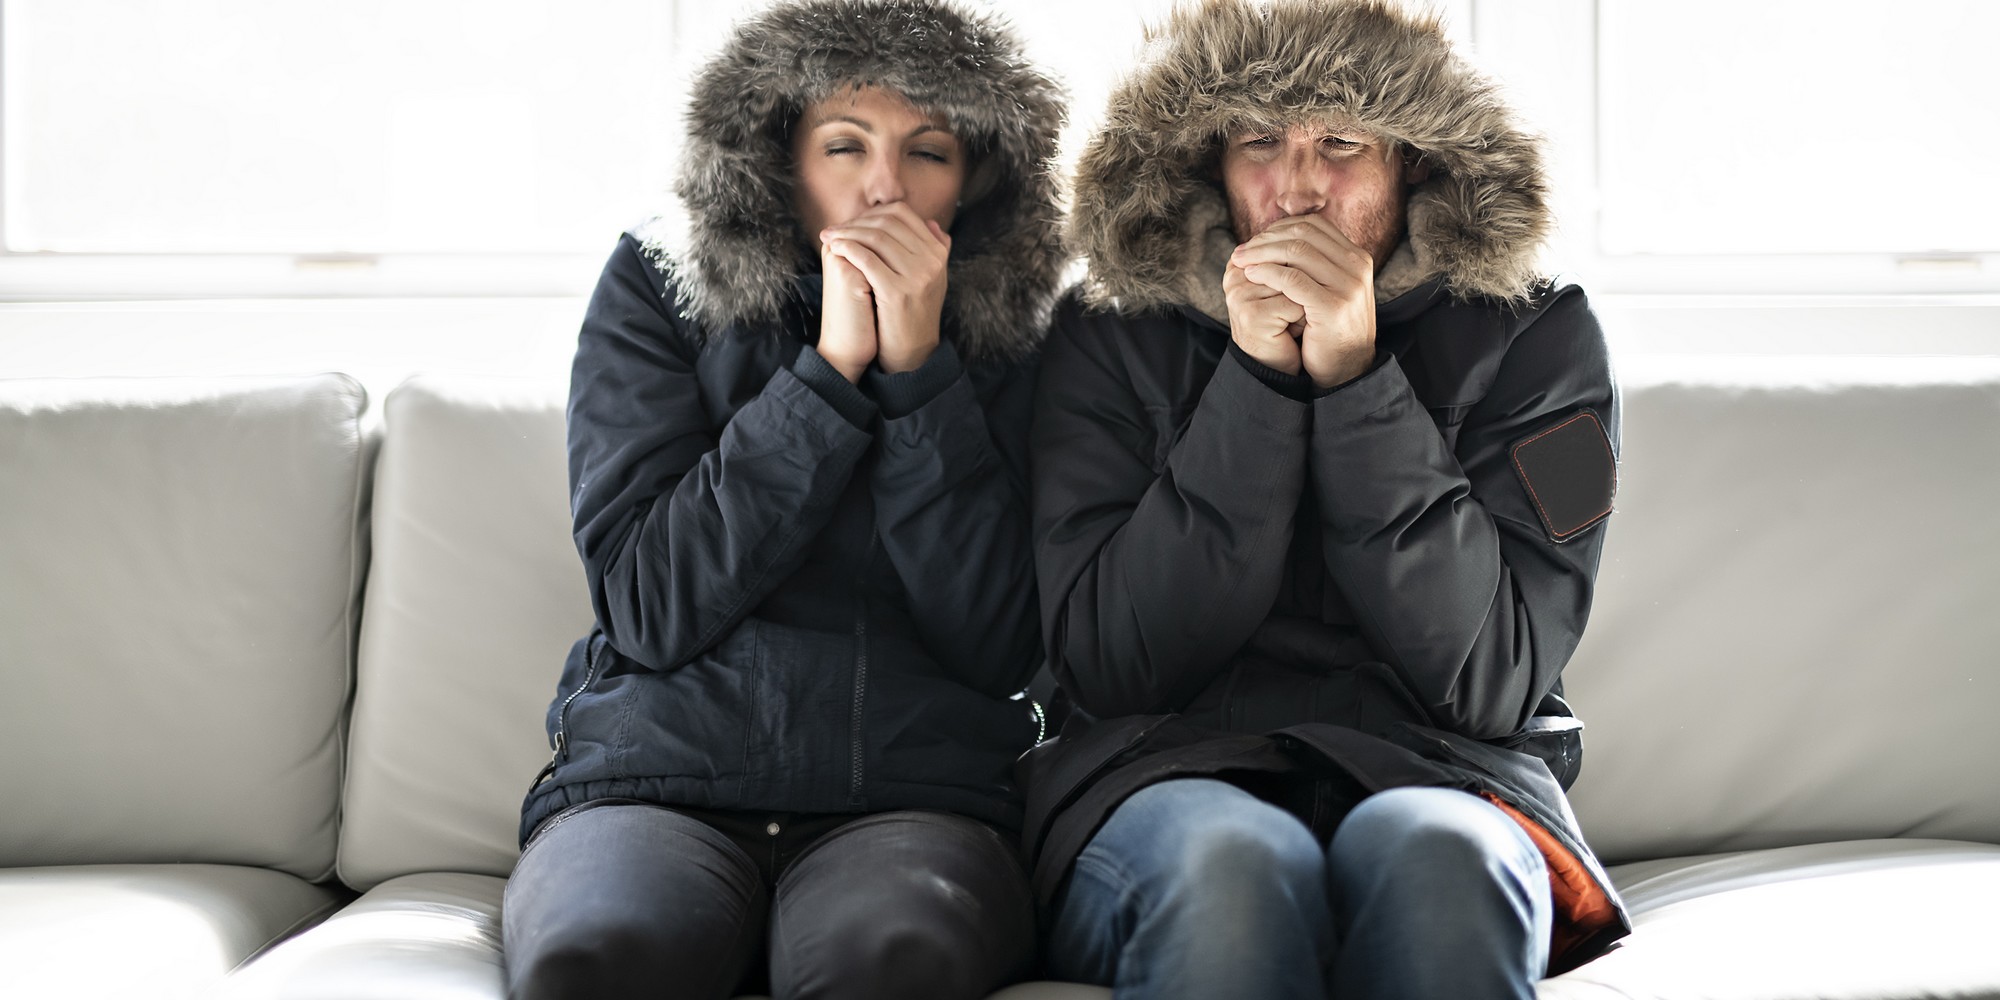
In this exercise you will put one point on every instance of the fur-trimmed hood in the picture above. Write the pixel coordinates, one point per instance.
(739, 253)
(1151, 220)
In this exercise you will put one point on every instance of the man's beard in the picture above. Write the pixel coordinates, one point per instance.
(1377, 230)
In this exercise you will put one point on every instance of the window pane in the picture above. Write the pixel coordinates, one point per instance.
(1798, 126)
(363, 126)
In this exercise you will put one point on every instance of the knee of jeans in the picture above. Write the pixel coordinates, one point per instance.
(580, 961)
(897, 957)
(1258, 848)
(1448, 830)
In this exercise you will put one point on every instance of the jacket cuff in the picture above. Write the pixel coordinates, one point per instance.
(1299, 387)
(1381, 386)
(903, 393)
(1381, 358)
(824, 379)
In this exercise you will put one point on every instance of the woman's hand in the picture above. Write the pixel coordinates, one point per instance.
(847, 338)
(903, 257)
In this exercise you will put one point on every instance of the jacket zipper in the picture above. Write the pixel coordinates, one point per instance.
(562, 714)
(855, 743)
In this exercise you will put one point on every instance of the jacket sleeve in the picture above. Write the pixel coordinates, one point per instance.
(950, 483)
(682, 528)
(1151, 581)
(1454, 578)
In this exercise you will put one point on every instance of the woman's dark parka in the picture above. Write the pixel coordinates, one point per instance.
(811, 596)
(1373, 586)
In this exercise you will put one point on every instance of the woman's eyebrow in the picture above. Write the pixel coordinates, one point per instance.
(849, 119)
(870, 129)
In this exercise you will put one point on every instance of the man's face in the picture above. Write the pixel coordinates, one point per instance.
(1351, 178)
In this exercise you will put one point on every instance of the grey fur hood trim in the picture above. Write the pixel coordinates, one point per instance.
(740, 252)
(1147, 205)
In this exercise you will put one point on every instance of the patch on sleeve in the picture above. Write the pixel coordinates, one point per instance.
(1569, 472)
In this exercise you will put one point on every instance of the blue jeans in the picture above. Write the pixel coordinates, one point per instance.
(1196, 888)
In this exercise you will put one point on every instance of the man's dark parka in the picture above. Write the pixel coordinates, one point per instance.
(1377, 585)
(810, 596)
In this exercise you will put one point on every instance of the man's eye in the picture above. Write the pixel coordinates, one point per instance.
(1337, 142)
(1258, 142)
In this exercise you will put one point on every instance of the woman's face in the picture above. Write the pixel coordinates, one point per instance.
(864, 147)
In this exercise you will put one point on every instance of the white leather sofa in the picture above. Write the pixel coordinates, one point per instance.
(270, 699)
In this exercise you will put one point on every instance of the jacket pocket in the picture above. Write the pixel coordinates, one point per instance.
(1557, 740)
(1053, 774)
(796, 719)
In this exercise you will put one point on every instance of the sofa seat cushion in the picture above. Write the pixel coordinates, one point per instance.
(437, 936)
(1873, 919)
(159, 931)
(433, 935)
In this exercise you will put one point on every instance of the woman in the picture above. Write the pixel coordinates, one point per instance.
(797, 459)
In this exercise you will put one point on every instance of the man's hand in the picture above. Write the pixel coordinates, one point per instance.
(847, 315)
(1262, 321)
(1308, 262)
(903, 257)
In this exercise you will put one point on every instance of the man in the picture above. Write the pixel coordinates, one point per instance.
(1321, 468)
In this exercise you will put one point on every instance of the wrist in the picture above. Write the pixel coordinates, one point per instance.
(898, 362)
(905, 350)
(849, 368)
(1346, 370)
(1287, 362)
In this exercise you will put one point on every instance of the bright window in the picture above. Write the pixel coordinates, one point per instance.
(365, 126)
(1798, 127)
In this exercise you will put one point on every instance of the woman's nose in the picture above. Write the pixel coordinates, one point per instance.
(883, 183)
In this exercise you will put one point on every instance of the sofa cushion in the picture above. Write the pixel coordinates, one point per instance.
(158, 931)
(182, 559)
(475, 594)
(1859, 920)
(1793, 635)
(436, 936)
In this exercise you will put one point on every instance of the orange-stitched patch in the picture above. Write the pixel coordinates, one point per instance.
(1582, 908)
(1536, 496)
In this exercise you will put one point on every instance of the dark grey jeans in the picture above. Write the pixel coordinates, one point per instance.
(620, 899)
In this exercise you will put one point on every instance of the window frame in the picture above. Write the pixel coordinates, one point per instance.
(1527, 44)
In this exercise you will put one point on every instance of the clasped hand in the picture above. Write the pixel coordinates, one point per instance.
(1302, 296)
(884, 290)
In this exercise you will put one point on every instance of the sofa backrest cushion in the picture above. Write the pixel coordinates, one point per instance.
(179, 572)
(475, 594)
(1795, 634)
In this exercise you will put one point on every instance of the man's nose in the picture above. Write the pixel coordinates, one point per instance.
(883, 182)
(1302, 183)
